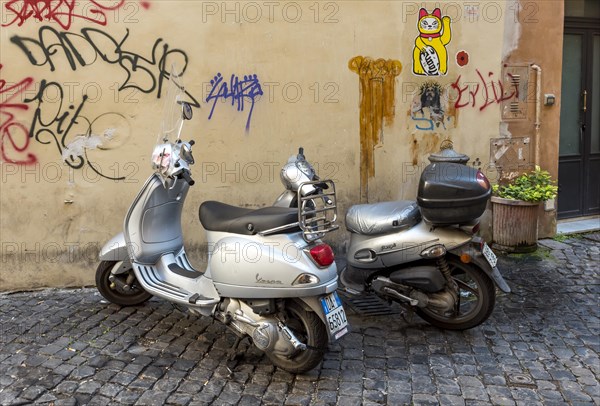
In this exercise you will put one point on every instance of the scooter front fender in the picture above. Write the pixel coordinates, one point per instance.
(115, 249)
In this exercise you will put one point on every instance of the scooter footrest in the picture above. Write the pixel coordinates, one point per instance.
(181, 271)
(197, 299)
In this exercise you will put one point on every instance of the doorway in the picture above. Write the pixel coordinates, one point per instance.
(579, 152)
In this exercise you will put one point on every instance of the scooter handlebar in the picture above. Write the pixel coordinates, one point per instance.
(185, 175)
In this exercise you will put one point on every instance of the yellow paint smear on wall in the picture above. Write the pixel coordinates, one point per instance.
(423, 145)
(377, 107)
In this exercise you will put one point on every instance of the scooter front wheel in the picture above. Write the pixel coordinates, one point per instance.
(310, 330)
(476, 295)
(113, 291)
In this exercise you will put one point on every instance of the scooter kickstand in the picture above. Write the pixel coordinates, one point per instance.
(408, 315)
(234, 352)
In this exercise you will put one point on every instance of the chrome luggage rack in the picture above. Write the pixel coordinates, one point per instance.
(317, 212)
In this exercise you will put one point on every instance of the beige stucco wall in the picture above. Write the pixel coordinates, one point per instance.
(542, 19)
(55, 218)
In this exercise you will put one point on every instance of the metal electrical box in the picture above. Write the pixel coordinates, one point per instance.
(515, 91)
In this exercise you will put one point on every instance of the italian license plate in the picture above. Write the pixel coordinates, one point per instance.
(489, 255)
(337, 324)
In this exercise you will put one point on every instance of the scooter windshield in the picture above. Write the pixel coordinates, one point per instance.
(169, 148)
(173, 114)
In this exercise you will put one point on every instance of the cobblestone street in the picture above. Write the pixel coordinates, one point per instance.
(540, 346)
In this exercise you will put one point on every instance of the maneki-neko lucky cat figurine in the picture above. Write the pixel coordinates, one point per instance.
(430, 57)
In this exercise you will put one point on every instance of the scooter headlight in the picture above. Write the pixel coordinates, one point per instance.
(293, 177)
(186, 154)
(306, 169)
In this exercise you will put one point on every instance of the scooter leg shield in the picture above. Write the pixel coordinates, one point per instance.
(354, 278)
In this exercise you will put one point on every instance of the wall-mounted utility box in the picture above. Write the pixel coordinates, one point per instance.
(515, 91)
(510, 154)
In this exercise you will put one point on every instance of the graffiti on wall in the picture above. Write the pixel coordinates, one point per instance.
(14, 136)
(62, 125)
(237, 91)
(60, 120)
(62, 12)
(430, 110)
(377, 78)
(145, 73)
(430, 57)
(462, 58)
(482, 93)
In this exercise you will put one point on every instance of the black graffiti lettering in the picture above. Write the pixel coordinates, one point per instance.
(145, 73)
(56, 123)
(58, 120)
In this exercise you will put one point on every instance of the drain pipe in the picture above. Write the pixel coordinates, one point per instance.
(548, 204)
(538, 94)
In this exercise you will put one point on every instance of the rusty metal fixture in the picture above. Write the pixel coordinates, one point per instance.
(448, 154)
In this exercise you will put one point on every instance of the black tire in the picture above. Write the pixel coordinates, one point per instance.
(310, 330)
(137, 295)
(477, 295)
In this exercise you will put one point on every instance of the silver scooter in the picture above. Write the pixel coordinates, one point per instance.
(423, 254)
(269, 276)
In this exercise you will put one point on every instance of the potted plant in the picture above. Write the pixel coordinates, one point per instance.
(515, 210)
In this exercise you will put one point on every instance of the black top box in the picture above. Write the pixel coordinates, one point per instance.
(451, 193)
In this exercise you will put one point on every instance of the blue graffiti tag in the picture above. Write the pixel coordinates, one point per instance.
(427, 120)
(238, 91)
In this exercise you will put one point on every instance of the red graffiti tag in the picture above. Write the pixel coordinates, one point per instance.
(14, 136)
(468, 95)
(60, 11)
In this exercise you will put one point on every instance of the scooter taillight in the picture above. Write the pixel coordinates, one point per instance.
(478, 243)
(322, 254)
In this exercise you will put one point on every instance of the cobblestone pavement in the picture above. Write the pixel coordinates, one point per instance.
(540, 346)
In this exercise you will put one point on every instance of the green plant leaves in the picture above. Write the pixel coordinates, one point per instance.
(535, 186)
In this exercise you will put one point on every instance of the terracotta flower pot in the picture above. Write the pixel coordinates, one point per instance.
(515, 224)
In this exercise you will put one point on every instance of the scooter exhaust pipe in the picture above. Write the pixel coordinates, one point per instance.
(397, 295)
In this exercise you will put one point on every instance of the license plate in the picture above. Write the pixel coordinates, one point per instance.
(489, 255)
(337, 324)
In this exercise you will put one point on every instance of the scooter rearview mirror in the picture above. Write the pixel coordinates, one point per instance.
(186, 111)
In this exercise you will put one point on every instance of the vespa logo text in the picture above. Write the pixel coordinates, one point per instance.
(267, 281)
(388, 247)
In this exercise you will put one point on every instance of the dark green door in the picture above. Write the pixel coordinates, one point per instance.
(579, 153)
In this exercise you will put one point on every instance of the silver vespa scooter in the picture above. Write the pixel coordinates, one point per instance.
(423, 254)
(269, 276)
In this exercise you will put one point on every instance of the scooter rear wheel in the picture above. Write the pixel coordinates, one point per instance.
(113, 292)
(310, 330)
(477, 296)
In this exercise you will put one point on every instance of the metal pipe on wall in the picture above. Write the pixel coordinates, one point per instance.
(537, 124)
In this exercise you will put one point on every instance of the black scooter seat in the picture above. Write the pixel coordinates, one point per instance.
(384, 217)
(217, 216)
